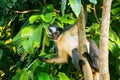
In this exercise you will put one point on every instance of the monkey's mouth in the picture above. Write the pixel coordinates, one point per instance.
(55, 36)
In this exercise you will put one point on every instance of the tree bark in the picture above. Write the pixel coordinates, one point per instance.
(103, 47)
(82, 47)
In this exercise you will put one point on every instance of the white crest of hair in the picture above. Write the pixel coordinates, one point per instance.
(53, 29)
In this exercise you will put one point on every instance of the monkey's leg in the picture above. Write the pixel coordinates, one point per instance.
(77, 62)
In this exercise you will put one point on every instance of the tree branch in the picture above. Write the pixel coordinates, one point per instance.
(103, 48)
(82, 41)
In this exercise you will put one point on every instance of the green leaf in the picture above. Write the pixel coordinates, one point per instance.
(43, 76)
(17, 39)
(114, 41)
(33, 18)
(27, 31)
(63, 6)
(113, 36)
(112, 47)
(17, 76)
(50, 8)
(47, 17)
(76, 6)
(94, 27)
(115, 11)
(67, 19)
(31, 37)
(36, 37)
(93, 1)
(28, 46)
(24, 75)
(62, 76)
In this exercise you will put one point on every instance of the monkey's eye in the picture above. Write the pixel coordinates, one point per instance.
(57, 33)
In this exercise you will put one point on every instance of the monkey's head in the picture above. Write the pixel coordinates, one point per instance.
(54, 31)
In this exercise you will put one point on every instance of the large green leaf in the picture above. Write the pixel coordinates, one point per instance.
(36, 37)
(76, 6)
(28, 46)
(28, 31)
(63, 6)
(18, 39)
(31, 37)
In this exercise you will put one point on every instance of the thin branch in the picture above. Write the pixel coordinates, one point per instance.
(55, 10)
(95, 14)
(26, 11)
(94, 10)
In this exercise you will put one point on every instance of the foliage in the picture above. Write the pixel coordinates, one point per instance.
(23, 37)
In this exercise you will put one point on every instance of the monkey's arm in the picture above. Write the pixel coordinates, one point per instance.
(92, 57)
(61, 58)
(56, 60)
(77, 62)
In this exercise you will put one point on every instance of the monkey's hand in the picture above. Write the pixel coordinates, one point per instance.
(92, 61)
(87, 55)
(81, 62)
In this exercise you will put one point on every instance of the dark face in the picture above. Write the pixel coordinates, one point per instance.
(54, 31)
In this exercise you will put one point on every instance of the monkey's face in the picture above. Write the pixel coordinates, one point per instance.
(54, 31)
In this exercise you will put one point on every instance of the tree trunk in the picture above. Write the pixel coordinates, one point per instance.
(82, 41)
(103, 47)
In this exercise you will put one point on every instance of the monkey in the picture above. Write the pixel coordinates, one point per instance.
(66, 41)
